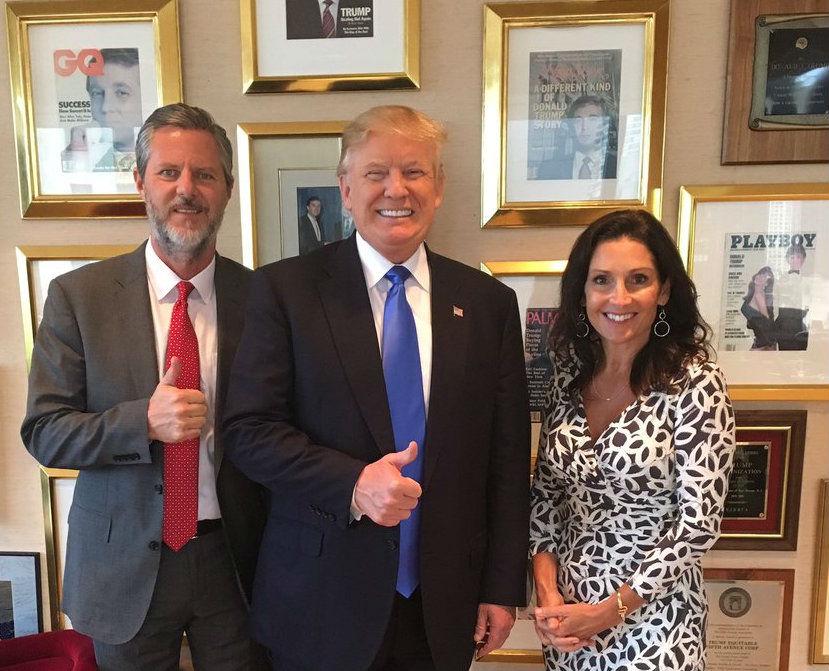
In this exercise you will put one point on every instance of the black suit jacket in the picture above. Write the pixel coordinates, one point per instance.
(94, 368)
(307, 238)
(560, 166)
(304, 20)
(307, 410)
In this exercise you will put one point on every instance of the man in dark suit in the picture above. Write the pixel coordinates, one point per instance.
(587, 151)
(380, 394)
(128, 380)
(310, 227)
(306, 19)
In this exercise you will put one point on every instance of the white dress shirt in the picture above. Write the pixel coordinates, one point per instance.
(418, 290)
(596, 164)
(201, 306)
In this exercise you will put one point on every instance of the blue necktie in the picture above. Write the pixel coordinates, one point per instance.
(404, 388)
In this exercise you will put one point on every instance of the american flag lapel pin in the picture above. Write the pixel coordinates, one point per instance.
(456, 311)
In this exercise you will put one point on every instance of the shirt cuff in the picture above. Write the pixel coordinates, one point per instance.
(356, 513)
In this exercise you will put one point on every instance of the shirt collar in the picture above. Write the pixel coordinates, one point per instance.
(163, 280)
(375, 265)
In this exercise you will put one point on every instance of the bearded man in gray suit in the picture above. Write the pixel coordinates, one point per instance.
(127, 384)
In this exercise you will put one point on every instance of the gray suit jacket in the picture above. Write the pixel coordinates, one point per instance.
(94, 368)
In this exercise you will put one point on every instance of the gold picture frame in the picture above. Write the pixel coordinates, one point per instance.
(32, 295)
(266, 151)
(553, 110)
(271, 67)
(73, 161)
(531, 280)
(55, 515)
(819, 649)
(32, 289)
(736, 230)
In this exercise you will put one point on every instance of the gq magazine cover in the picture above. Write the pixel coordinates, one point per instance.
(98, 108)
(573, 112)
(767, 291)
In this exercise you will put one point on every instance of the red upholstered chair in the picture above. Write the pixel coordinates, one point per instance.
(53, 651)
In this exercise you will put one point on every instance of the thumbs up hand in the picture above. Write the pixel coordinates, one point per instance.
(383, 493)
(175, 414)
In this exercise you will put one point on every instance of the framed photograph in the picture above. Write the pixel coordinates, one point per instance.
(574, 110)
(763, 504)
(343, 45)
(57, 487)
(290, 198)
(819, 650)
(38, 266)
(763, 284)
(777, 86)
(312, 210)
(85, 74)
(20, 605)
(749, 618)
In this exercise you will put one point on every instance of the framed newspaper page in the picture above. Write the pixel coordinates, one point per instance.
(761, 269)
(819, 650)
(762, 508)
(37, 266)
(288, 189)
(85, 74)
(574, 110)
(291, 46)
(777, 82)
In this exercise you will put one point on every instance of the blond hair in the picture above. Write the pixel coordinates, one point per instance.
(397, 119)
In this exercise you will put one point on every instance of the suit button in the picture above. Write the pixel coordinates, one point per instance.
(330, 517)
(392, 545)
(158, 489)
(153, 545)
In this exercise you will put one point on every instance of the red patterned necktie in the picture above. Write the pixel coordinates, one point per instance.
(181, 460)
(327, 20)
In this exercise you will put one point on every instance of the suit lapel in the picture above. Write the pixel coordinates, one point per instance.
(348, 311)
(132, 297)
(450, 332)
(230, 298)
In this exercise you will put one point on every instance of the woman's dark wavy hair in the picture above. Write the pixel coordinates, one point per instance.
(661, 359)
(768, 290)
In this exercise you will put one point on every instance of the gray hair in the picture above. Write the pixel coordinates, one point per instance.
(397, 119)
(179, 115)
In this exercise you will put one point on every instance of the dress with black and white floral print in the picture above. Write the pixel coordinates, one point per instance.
(640, 506)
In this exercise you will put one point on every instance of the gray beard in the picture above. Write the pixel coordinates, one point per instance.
(186, 245)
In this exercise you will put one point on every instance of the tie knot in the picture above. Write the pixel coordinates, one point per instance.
(328, 3)
(184, 289)
(397, 275)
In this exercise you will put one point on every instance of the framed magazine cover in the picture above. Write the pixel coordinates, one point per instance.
(761, 269)
(85, 74)
(291, 46)
(283, 168)
(574, 110)
(537, 287)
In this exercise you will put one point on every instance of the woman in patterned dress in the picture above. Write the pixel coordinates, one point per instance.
(636, 448)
